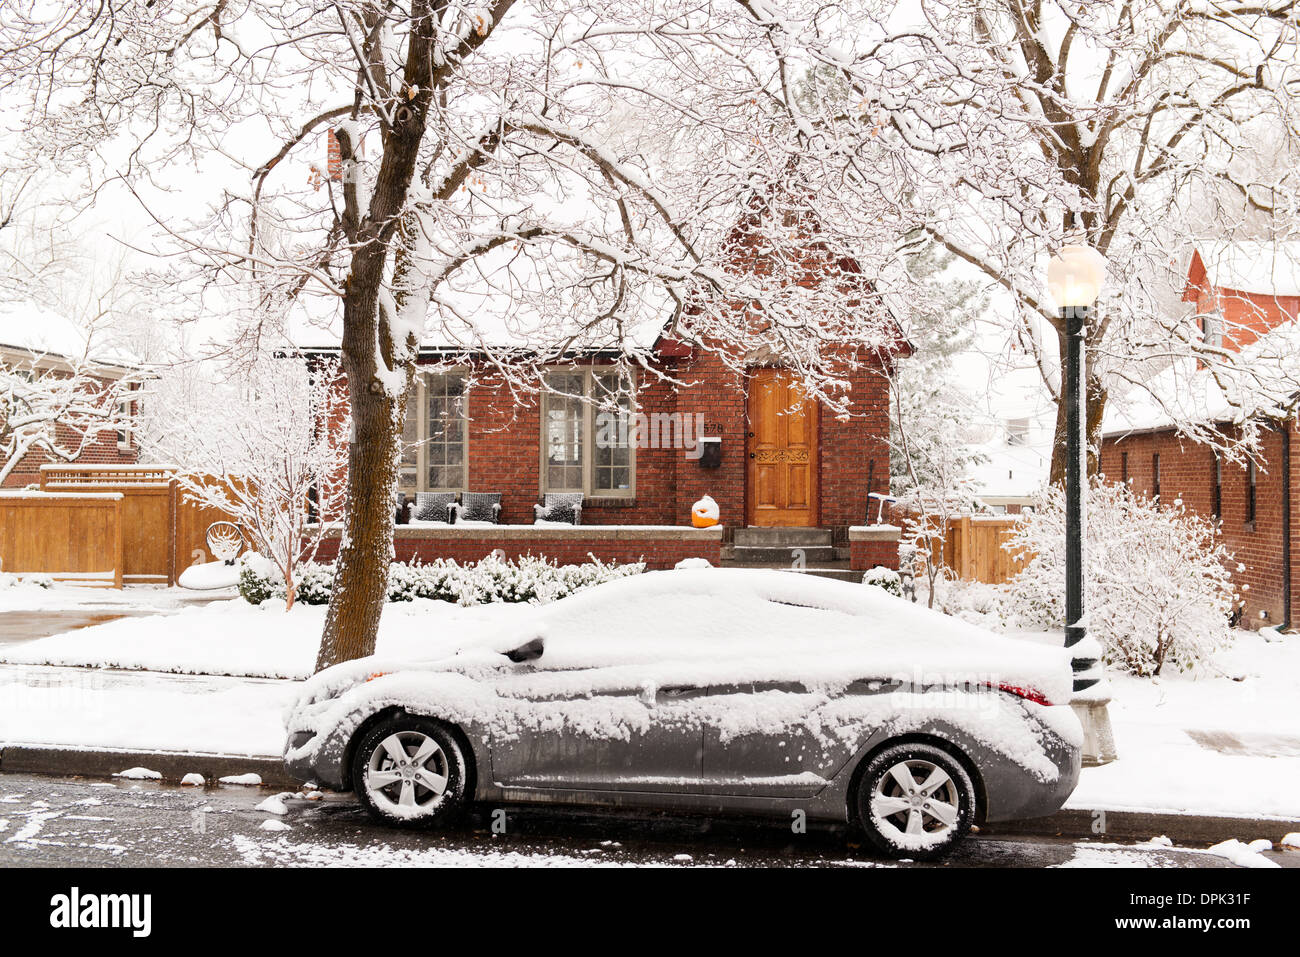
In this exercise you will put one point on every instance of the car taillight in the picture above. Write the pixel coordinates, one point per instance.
(1029, 694)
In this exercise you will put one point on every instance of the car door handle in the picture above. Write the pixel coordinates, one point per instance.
(682, 691)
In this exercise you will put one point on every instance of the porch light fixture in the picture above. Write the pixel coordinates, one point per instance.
(1074, 279)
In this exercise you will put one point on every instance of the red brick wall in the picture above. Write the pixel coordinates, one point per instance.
(865, 555)
(1246, 315)
(504, 449)
(1187, 473)
(102, 451)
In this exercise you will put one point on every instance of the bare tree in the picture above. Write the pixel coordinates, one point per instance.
(57, 406)
(1019, 126)
(264, 443)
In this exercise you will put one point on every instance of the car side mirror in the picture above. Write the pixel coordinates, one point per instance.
(527, 652)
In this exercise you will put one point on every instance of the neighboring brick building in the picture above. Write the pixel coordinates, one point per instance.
(1242, 292)
(105, 448)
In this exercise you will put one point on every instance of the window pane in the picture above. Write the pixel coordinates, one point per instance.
(612, 457)
(445, 450)
(563, 423)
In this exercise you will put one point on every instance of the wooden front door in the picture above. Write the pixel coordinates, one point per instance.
(782, 451)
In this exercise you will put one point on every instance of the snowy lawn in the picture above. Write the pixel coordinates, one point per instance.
(233, 637)
(1246, 705)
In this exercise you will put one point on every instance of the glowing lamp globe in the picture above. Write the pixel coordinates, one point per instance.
(1075, 276)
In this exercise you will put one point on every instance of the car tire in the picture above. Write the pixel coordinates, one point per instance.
(410, 772)
(922, 820)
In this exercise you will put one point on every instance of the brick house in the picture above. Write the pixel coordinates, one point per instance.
(118, 447)
(784, 472)
(1241, 292)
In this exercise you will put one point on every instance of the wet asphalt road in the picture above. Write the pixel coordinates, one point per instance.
(52, 822)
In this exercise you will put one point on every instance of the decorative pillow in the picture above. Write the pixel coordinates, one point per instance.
(432, 506)
(479, 507)
(560, 507)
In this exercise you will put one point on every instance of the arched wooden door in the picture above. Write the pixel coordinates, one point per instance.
(781, 465)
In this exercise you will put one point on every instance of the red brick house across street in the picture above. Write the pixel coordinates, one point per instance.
(1242, 293)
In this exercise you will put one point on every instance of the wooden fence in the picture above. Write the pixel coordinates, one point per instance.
(70, 536)
(972, 548)
(114, 524)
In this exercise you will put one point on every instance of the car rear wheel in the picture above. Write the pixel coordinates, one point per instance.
(410, 772)
(915, 800)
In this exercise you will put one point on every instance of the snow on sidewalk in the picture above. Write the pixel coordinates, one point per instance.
(1221, 743)
(78, 708)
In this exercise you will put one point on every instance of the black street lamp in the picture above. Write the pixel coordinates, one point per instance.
(1074, 278)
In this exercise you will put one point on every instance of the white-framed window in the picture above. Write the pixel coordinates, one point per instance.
(435, 452)
(125, 410)
(588, 434)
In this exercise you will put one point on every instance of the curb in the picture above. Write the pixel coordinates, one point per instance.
(1184, 829)
(172, 765)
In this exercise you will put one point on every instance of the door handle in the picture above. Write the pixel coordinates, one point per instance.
(751, 455)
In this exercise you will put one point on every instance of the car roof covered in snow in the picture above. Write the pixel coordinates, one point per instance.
(717, 625)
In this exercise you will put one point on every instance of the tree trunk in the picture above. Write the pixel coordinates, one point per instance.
(378, 410)
(361, 572)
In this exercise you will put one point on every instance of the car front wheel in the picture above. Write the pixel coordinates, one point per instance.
(410, 772)
(915, 801)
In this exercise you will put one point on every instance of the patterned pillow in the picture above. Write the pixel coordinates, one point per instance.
(432, 506)
(560, 507)
(479, 507)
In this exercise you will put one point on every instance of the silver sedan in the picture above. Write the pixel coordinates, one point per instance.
(708, 691)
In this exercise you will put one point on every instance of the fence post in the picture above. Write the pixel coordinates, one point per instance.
(119, 542)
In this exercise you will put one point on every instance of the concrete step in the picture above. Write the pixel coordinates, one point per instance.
(756, 554)
(772, 537)
(840, 570)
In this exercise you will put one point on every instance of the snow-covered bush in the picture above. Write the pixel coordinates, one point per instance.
(1158, 590)
(885, 578)
(494, 579)
(989, 606)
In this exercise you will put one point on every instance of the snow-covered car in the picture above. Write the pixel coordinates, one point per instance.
(708, 690)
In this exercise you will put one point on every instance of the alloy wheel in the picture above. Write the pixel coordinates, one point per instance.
(407, 774)
(916, 803)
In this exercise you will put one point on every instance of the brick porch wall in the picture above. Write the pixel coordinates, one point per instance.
(1187, 473)
(873, 545)
(657, 547)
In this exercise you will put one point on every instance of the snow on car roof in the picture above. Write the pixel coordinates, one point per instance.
(717, 625)
(749, 624)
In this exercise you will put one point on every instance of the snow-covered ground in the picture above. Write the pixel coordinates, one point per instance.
(1226, 742)
(232, 637)
(1222, 742)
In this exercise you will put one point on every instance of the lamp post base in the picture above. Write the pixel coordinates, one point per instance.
(1098, 738)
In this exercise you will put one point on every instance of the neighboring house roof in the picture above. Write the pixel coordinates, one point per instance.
(30, 332)
(1010, 473)
(1185, 393)
(1252, 266)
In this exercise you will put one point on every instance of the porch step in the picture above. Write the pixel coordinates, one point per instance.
(840, 570)
(783, 537)
(764, 554)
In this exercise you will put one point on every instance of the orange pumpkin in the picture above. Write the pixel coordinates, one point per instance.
(704, 513)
